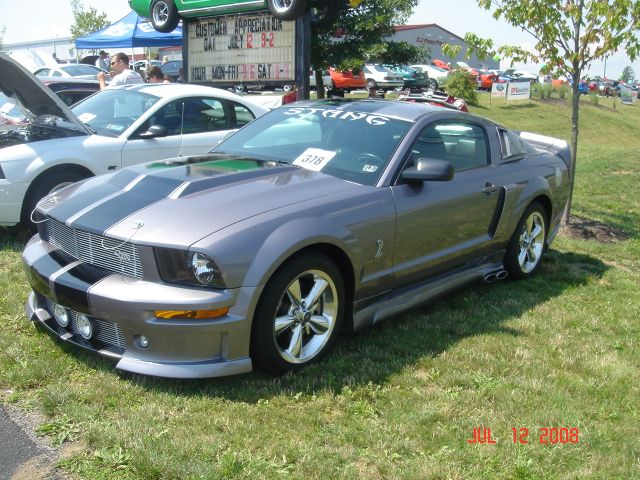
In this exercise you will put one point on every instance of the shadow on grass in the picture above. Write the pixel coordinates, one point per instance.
(376, 354)
(14, 239)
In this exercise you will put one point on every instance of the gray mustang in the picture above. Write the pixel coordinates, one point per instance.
(313, 218)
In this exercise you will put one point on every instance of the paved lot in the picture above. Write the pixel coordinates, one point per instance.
(20, 457)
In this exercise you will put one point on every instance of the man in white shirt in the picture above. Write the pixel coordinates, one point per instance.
(121, 73)
(103, 60)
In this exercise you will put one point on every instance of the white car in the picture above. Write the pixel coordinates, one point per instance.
(382, 78)
(76, 70)
(117, 127)
(326, 80)
(440, 75)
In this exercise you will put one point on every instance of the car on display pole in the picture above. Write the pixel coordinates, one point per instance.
(314, 218)
(55, 145)
(382, 78)
(165, 14)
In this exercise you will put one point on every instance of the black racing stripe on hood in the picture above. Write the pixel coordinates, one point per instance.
(72, 287)
(233, 177)
(94, 191)
(148, 191)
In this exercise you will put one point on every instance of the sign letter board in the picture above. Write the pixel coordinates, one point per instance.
(256, 49)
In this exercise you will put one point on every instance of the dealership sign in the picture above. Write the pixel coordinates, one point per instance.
(231, 49)
(519, 91)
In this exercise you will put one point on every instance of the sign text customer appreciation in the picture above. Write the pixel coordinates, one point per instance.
(241, 49)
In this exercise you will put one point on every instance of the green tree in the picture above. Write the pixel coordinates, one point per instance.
(569, 34)
(361, 34)
(627, 75)
(86, 22)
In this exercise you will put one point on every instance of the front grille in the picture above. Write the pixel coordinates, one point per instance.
(111, 254)
(105, 332)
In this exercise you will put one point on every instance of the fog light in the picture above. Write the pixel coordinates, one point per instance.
(61, 315)
(84, 326)
(141, 341)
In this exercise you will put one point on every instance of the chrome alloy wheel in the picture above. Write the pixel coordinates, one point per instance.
(305, 316)
(531, 242)
(281, 5)
(160, 13)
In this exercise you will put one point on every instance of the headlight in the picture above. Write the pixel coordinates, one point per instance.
(188, 268)
(204, 269)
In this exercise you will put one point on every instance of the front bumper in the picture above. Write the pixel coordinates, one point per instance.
(122, 308)
(11, 197)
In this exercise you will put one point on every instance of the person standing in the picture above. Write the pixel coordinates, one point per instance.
(121, 74)
(155, 75)
(103, 60)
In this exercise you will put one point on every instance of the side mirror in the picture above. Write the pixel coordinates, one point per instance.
(154, 131)
(429, 169)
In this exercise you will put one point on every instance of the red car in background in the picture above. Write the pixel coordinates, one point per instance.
(486, 79)
(441, 64)
(347, 80)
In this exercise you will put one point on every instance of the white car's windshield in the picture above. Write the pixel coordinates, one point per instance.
(351, 145)
(111, 112)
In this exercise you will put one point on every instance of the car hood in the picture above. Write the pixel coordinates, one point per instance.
(34, 98)
(177, 202)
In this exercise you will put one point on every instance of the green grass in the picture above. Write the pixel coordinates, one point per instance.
(399, 400)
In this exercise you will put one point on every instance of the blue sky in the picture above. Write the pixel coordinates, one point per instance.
(40, 19)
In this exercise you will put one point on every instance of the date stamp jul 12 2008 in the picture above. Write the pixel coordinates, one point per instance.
(546, 435)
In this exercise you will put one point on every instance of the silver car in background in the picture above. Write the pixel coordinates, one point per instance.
(316, 217)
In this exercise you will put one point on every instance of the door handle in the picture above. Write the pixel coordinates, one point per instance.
(490, 188)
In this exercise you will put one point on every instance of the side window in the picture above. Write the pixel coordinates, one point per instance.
(510, 144)
(243, 115)
(462, 144)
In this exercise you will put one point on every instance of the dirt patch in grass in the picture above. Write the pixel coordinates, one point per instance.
(585, 229)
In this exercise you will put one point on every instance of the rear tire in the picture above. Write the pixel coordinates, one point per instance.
(299, 315)
(527, 244)
(164, 15)
(286, 9)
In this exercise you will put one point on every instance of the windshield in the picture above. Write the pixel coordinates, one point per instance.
(10, 113)
(351, 145)
(80, 69)
(111, 112)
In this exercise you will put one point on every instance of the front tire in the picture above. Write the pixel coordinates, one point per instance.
(43, 186)
(527, 244)
(287, 9)
(164, 15)
(299, 315)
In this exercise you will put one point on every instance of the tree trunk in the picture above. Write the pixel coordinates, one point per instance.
(575, 108)
(319, 84)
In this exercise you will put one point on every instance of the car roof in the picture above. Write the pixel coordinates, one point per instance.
(165, 90)
(402, 110)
